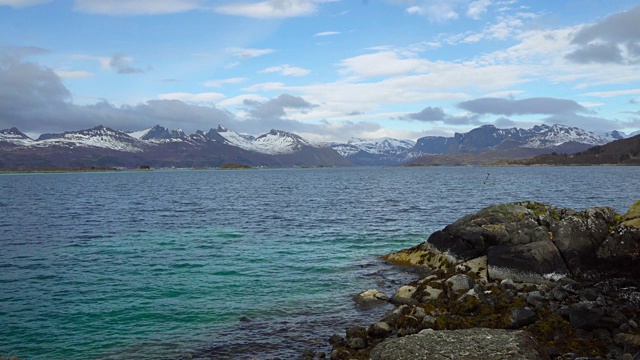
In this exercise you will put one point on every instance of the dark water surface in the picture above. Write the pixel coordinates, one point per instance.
(164, 264)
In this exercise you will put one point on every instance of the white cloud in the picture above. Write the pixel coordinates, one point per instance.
(64, 74)
(207, 97)
(435, 10)
(239, 100)
(269, 9)
(478, 8)
(22, 3)
(326, 33)
(383, 63)
(268, 86)
(287, 70)
(247, 53)
(220, 82)
(135, 7)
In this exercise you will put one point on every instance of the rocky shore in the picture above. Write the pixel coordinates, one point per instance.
(513, 281)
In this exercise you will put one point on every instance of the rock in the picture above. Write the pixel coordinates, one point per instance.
(392, 316)
(336, 340)
(521, 316)
(559, 293)
(619, 254)
(629, 342)
(578, 236)
(534, 242)
(460, 283)
(508, 284)
(379, 330)
(584, 315)
(536, 299)
(370, 298)
(404, 295)
(340, 354)
(527, 262)
(356, 337)
(430, 293)
(471, 344)
(428, 322)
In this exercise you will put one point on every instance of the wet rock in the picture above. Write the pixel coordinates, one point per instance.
(340, 354)
(336, 340)
(370, 298)
(356, 337)
(472, 344)
(460, 283)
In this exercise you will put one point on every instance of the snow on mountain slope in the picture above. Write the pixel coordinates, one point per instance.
(544, 136)
(15, 136)
(280, 142)
(234, 139)
(100, 136)
(159, 133)
(379, 146)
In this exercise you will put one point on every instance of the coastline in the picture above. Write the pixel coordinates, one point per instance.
(594, 315)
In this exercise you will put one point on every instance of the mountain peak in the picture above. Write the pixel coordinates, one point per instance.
(15, 133)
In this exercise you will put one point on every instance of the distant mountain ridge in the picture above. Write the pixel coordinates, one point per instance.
(375, 152)
(161, 147)
(158, 146)
(493, 142)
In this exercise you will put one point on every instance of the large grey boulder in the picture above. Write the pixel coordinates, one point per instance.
(470, 344)
(578, 236)
(529, 241)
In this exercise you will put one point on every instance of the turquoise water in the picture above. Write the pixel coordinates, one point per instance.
(164, 264)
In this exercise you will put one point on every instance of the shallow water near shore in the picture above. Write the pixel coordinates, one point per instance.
(165, 264)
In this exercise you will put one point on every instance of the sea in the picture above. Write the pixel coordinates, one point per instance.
(234, 264)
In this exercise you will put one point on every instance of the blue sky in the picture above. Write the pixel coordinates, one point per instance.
(325, 69)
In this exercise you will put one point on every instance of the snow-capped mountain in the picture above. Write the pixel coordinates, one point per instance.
(233, 138)
(161, 147)
(373, 146)
(282, 142)
(382, 151)
(158, 132)
(544, 136)
(537, 140)
(14, 136)
(489, 138)
(99, 137)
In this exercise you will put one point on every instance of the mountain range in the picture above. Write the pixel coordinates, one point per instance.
(161, 147)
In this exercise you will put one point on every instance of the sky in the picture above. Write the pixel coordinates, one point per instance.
(327, 70)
